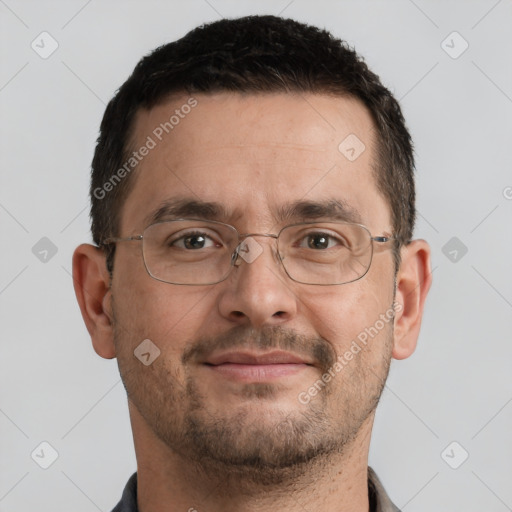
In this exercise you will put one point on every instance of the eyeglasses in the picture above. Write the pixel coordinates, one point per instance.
(198, 252)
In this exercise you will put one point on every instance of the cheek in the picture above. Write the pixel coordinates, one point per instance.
(351, 313)
(168, 315)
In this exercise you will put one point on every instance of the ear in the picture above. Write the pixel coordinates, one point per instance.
(412, 285)
(92, 288)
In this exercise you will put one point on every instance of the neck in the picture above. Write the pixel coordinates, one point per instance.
(167, 481)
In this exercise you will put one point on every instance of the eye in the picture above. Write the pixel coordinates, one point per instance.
(321, 241)
(194, 241)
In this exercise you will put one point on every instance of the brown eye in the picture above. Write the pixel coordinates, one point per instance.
(194, 241)
(321, 241)
(318, 242)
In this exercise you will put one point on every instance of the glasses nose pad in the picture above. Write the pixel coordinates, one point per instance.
(235, 256)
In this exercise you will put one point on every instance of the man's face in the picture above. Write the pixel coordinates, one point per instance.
(254, 155)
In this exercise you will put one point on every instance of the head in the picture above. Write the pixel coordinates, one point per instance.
(259, 123)
(251, 55)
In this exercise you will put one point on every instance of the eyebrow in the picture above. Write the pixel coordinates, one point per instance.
(297, 211)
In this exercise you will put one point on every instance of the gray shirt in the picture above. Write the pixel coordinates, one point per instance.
(379, 500)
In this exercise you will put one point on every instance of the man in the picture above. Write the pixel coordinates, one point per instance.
(253, 208)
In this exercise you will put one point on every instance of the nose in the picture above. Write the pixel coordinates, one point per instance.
(258, 292)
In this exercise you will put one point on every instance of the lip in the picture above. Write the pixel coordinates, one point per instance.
(257, 372)
(253, 367)
(245, 358)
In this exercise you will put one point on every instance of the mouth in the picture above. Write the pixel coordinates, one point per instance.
(248, 366)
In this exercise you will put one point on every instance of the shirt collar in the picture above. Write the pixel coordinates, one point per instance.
(378, 498)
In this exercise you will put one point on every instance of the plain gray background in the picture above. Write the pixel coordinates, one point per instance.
(456, 388)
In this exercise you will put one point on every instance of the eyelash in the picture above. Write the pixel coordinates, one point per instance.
(196, 233)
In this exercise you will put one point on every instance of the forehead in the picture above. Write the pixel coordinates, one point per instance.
(254, 155)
